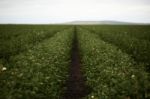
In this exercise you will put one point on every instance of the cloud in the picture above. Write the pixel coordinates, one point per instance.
(46, 11)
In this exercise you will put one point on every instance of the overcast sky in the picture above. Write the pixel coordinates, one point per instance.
(55, 11)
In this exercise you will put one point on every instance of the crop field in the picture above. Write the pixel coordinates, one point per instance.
(74, 62)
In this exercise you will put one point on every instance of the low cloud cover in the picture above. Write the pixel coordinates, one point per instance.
(57, 11)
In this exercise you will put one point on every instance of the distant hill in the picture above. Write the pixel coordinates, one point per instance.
(103, 22)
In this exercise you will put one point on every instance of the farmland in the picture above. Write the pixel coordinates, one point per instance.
(74, 62)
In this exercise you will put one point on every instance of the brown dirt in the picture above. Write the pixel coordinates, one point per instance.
(76, 88)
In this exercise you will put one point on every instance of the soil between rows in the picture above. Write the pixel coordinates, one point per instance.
(76, 88)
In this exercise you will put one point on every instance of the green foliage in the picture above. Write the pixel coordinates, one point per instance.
(34, 60)
(18, 38)
(40, 72)
(128, 39)
(111, 73)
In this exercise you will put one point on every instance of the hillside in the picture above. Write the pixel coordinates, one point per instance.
(103, 22)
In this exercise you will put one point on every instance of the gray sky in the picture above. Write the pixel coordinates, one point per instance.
(51, 11)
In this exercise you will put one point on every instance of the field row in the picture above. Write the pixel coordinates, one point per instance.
(40, 72)
(139, 49)
(36, 65)
(16, 39)
(111, 73)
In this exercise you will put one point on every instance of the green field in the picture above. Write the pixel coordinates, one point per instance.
(113, 61)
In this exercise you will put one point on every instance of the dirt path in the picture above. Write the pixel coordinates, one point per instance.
(76, 88)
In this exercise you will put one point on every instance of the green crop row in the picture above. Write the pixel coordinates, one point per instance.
(139, 49)
(138, 31)
(19, 38)
(8, 32)
(40, 72)
(110, 73)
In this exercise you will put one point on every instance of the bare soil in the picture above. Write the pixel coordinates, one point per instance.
(76, 88)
